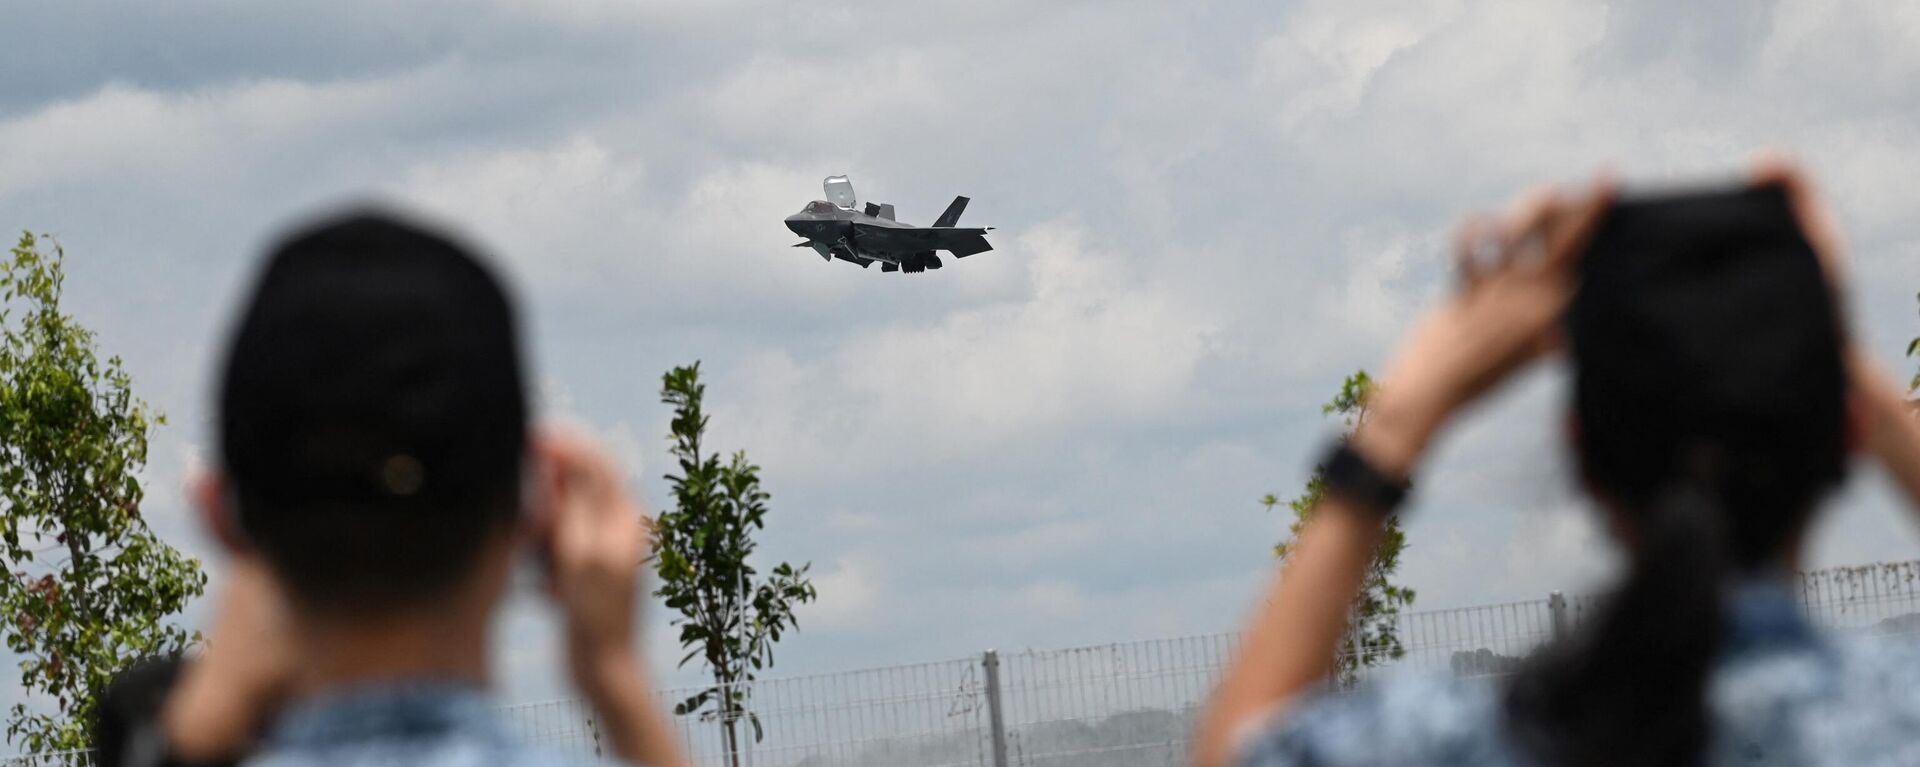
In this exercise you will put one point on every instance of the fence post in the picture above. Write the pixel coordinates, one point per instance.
(1557, 608)
(996, 720)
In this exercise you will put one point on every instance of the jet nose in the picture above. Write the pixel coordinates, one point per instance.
(799, 225)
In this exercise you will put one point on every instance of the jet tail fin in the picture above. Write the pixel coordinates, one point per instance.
(952, 215)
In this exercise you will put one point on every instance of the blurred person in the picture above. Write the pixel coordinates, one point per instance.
(1714, 404)
(376, 481)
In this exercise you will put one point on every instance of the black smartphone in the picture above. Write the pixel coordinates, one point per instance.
(1708, 223)
(1690, 274)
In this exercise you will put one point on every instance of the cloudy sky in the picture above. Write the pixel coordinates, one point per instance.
(1207, 214)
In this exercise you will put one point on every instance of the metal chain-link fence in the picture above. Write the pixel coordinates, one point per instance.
(1128, 704)
(53, 759)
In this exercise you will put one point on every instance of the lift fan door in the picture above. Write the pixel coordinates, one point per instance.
(839, 192)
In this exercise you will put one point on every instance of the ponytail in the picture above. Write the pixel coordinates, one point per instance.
(1709, 393)
(1629, 688)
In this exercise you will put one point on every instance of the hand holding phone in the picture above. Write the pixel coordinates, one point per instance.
(226, 695)
(1504, 315)
(593, 539)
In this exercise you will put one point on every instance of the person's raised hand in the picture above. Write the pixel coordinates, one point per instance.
(227, 694)
(1516, 278)
(1810, 211)
(1883, 418)
(594, 539)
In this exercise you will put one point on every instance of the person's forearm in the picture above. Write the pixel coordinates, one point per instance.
(214, 712)
(1293, 641)
(205, 724)
(1891, 431)
(636, 727)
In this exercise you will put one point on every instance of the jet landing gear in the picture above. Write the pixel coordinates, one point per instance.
(846, 254)
(920, 262)
(912, 263)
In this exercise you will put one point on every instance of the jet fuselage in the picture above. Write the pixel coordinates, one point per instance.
(841, 230)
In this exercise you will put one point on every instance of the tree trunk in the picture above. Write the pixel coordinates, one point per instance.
(728, 721)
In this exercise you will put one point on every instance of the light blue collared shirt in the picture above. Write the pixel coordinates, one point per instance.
(412, 724)
(1784, 693)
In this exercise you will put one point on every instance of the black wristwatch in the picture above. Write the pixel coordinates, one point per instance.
(1351, 476)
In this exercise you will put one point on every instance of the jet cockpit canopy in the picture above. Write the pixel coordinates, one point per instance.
(839, 192)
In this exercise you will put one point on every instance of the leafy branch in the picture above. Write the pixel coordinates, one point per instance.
(1373, 636)
(729, 617)
(73, 439)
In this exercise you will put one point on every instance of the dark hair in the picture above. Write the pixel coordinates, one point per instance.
(372, 416)
(1709, 393)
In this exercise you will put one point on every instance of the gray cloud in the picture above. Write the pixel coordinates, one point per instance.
(1209, 214)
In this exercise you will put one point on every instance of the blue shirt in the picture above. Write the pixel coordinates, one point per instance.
(1783, 694)
(416, 724)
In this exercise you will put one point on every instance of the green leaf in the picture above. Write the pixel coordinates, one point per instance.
(68, 421)
(729, 616)
(1379, 601)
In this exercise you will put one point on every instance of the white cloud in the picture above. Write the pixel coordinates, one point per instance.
(1207, 218)
(1083, 344)
(781, 99)
(1057, 601)
(122, 131)
(619, 13)
(546, 210)
(1330, 52)
(556, 409)
(585, 219)
(848, 594)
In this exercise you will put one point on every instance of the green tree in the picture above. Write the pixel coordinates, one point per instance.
(729, 617)
(1913, 350)
(91, 587)
(1374, 628)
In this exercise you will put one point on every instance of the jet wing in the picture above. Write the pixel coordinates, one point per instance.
(960, 241)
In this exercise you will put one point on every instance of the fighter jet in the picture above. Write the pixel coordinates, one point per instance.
(835, 228)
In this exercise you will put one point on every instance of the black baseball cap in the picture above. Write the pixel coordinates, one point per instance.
(374, 382)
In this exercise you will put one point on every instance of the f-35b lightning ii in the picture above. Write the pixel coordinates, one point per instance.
(835, 228)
